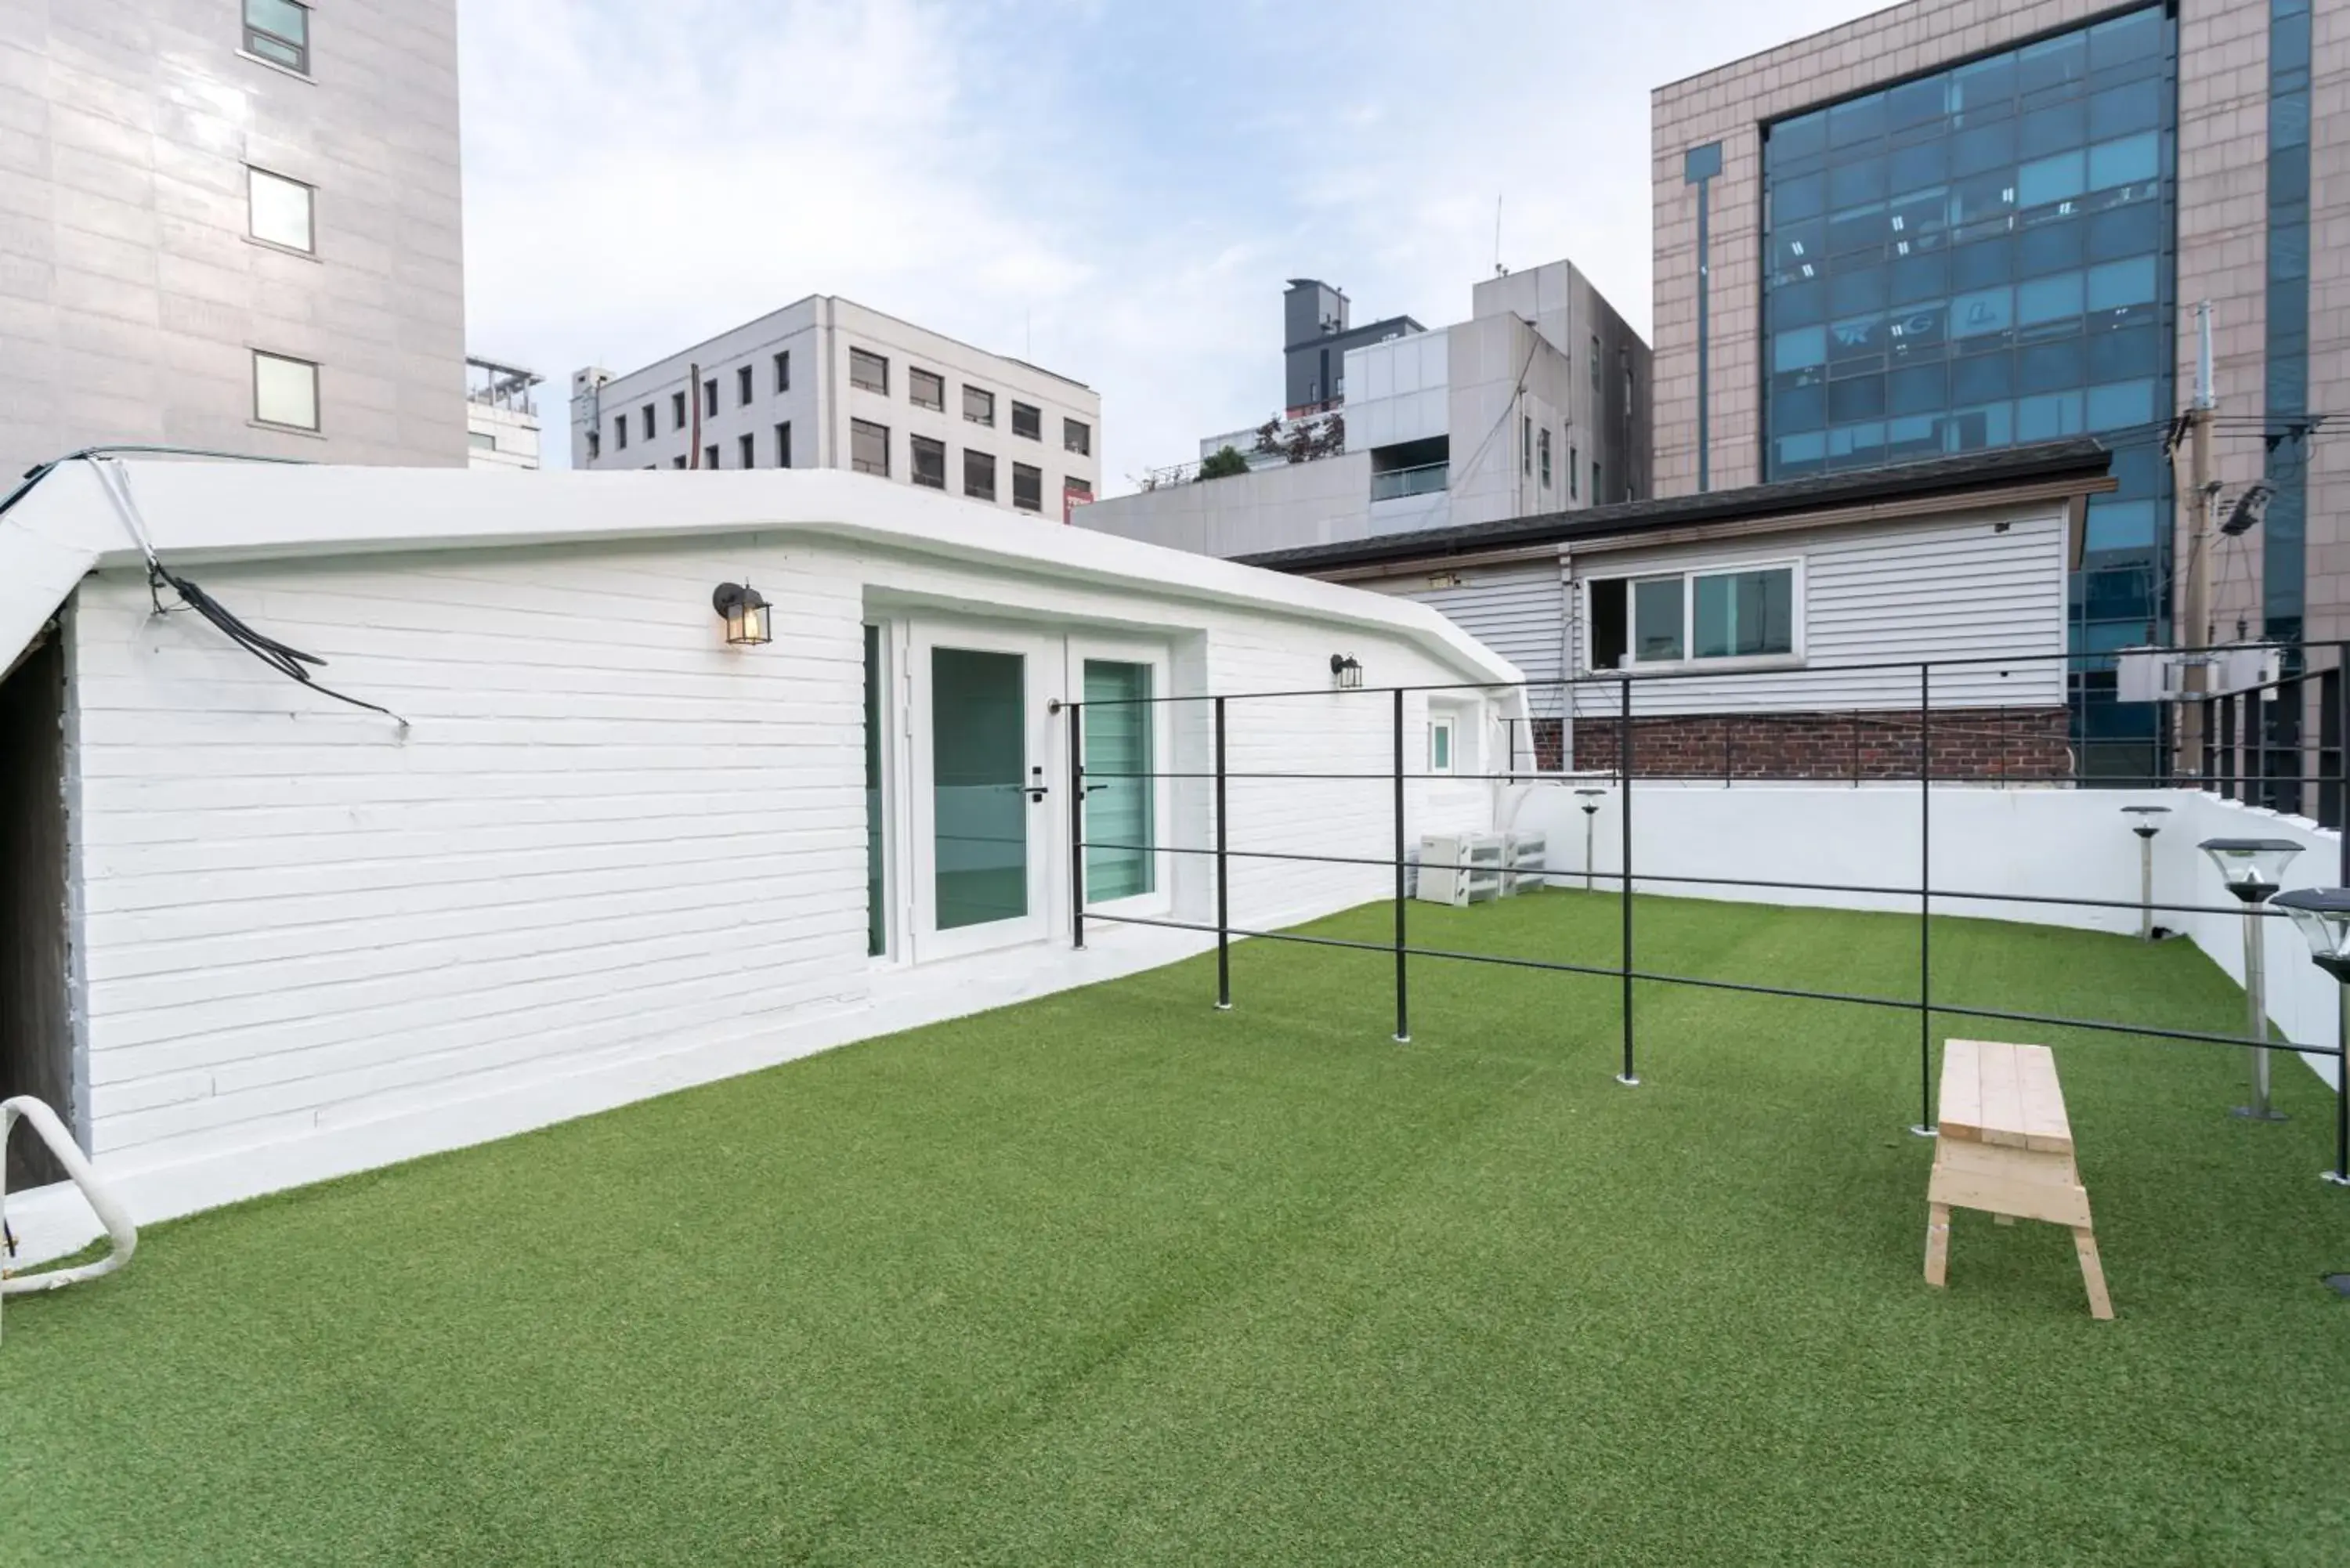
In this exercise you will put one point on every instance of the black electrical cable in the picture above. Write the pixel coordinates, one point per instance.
(284, 658)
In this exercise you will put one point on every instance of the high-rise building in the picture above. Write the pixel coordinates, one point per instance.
(231, 224)
(1956, 224)
(827, 383)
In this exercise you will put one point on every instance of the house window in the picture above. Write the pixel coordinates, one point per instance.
(482, 440)
(595, 445)
(278, 31)
(928, 388)
(1077, 436)
(1693, 616)
(978, 475)
(620, 435)
(648, 413)
(710, 399)
(743, 390)
(285, 391)
(677, 410)
(978, 407)
(710, 457)
(869, 371)
(784, 445)
(930, 461)
(747, 447)
(1027, 422)
(279, 212)
(1541, 455)
(1027, 487)
(869, 448)
(783, 371)
(1440, 746)
(1526, 445)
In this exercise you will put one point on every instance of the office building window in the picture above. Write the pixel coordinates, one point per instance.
(748, 449)
(869, 448)
(743, 390)
(648, 413)
(1574, 474)
(285, 391)
(978, 475)
(927, 465)
(280, 212)
(1541, 455)
(1595, 368)
(482, 440)
(677, 410)
(1978, 258)
(1027, 422)
(928, 388)
(1027, 487)
(869, 371)
(621, 433)
(784, 445)
(710, 399)
(1077, 436)
(595, 445)
(278, 31)
(978, 407)
(710, 456)
(1527, 444)
(783, 371)
(678, 461)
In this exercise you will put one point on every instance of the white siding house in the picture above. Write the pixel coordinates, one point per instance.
(601, 853)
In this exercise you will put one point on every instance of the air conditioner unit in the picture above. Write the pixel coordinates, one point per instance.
(1528, 853)
(1461, 868)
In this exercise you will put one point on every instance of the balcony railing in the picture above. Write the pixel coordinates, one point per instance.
(1399, 482)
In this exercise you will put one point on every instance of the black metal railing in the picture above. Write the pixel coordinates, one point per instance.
(2248, 754)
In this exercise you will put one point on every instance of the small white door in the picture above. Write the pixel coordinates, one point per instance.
(1127, 729)
(984, 796)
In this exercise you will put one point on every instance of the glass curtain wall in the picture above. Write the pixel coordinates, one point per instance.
(1982, 258)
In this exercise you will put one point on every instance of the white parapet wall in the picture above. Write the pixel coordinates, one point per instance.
(2048, 843)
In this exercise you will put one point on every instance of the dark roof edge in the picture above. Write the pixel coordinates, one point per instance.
(2080, 457)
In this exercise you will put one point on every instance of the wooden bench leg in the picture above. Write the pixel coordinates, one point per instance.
(1938, 1243)
(2092, 1274)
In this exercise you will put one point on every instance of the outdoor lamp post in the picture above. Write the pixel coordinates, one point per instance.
(745, 612)
(2323, 916)
(2253, 869)
(1591, 798)
(2145, 821)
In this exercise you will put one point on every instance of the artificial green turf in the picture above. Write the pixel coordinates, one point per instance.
(1111, 1277)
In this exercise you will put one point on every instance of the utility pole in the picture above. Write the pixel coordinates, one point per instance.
(2195, 635)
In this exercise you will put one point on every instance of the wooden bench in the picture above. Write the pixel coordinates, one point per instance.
(2006, 1148)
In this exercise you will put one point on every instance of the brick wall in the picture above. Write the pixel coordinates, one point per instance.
(1986, 744)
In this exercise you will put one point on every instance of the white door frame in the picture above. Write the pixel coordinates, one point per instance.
(1159, 659)
(1042, 665)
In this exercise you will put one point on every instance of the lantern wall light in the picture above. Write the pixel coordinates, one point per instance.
(1346, 671)
(2253, 869)
(743, 609)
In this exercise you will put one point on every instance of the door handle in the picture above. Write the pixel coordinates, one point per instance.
(1037, 786)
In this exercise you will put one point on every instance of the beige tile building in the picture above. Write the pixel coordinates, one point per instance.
(1993, 280)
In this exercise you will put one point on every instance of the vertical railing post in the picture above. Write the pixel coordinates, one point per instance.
(1402, 980)
(1223, 880)
(1076, 826)
(1623, 860)
(1925, 1124)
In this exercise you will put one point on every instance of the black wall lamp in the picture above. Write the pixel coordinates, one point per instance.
(1346, 671)
(745, 612)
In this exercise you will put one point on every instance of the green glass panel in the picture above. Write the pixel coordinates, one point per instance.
(1740, 615)
(1119, 818)
(877, 932)
(980, 806)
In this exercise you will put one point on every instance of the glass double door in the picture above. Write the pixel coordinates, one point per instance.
(989, 784)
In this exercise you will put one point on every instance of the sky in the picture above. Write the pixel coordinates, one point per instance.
(1116, 190)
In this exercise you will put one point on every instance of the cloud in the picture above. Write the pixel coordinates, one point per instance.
(1116, 189)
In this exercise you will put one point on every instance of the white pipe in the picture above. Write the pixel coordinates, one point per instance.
(102, 1202)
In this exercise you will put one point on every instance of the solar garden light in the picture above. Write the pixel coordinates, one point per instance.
(1590, 820)
(2253, 869)
(2323, 916)
(2145, 821)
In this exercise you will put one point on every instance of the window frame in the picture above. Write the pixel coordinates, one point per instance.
(1036, 431)
(249, 30)
(621, 433)
(857, 465)
(915, 377)
(677, 410)
(1446, 727)
(1688, 575)
(318, 413)
(915, 447)
(1541, 455)
(710, 455)
(744, 387)
(747, 445)
(782, 444)
(1084, 445)
(309, 247)
(1035, 476)
(968, 393)
(710, 396)
(784, 373)
(595, 445)
(971, 455)
(860, 356)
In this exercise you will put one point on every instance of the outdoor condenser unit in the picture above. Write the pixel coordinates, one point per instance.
(1523, 873)
(1460, 868)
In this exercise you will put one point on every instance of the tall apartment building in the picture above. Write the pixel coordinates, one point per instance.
(1317, 335)
(827, 383)
(1537, 403)
(1964, 223)
(231, 224)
